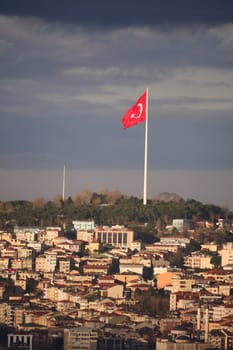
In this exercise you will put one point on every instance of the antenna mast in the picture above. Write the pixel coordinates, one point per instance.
(63, 183)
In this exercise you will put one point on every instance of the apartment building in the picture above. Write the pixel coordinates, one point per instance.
(80, 338)
(9, 252)
(25, 252)
(220, 311)
(198, 261)
(182, 300)
(85, 235)
(20, 264)
(4, 263)
(28, 235)
(64, 265)
(7, 311)
(212, 247)
(131, 268)
(227, 254)
(182, 283)
(163, 247)
(46, 262)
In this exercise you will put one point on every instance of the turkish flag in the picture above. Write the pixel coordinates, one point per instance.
(136, 114)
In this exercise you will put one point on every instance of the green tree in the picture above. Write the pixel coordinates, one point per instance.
(216, 260)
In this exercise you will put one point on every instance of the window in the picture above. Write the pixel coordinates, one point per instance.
(109, 237)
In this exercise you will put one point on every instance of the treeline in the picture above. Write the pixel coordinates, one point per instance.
(108, 208)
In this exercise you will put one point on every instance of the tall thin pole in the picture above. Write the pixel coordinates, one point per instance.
(63, 183)
(206, 324)
(146, 153)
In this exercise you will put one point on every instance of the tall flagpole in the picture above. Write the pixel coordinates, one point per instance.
(146, 153)
(63, 183)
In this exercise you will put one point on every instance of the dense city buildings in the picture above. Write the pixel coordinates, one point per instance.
(103, 289)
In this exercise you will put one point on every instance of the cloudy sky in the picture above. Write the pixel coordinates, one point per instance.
(70, 69)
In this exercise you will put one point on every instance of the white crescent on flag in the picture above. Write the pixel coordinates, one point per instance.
(137, 116)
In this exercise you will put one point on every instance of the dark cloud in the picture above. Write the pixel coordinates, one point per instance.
(107, 13)
(184, 100)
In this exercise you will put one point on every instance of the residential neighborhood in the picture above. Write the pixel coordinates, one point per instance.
(104, 289)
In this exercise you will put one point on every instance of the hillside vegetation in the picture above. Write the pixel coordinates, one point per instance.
(108, 208)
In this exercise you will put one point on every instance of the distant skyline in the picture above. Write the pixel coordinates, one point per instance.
(69, 70)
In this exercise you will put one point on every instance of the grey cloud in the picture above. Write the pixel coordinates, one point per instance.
(187, 100)
(107, 13)
(54, 51)
(47, 53)
(63, 77)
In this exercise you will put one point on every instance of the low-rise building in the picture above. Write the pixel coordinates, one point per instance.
(198, 261)
(80, 338)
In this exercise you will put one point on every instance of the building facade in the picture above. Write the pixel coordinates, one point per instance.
(119, 236)
(80, 338)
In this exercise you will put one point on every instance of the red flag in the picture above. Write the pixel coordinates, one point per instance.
(136, 114)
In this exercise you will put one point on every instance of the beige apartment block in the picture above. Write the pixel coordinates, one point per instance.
(227, 254)
(41, 263)
(115, 292)
(64, 266)
(198, 261)
(9, 253)
(22, 264)
(182, 284)
(24, 252)
(4, 263)
(94, 247)
(25, 235)
(209, 246)
(87, 236)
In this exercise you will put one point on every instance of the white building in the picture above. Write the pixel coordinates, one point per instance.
(182, 224)
(182, 241)
(88, 225)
